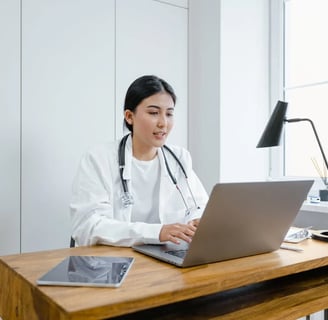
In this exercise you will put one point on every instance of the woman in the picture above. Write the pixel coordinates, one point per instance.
(135, 191)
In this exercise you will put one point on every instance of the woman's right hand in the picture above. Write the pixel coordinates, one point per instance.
(176, 232)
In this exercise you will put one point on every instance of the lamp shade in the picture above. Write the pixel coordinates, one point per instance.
(272, 132)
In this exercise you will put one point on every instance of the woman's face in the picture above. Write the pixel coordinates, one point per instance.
(152, 121)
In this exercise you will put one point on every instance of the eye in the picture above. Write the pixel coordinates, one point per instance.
(153, 113)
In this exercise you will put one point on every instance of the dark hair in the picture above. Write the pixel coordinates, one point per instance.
(143, 88)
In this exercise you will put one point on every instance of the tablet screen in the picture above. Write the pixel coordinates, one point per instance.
(94, 271)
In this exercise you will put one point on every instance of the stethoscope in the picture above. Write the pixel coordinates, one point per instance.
(127, 199)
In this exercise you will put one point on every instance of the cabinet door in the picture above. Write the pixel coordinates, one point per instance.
(152, 38)
(67, 106)
(9, 127)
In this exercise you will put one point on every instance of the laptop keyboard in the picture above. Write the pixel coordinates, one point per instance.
(177, 253)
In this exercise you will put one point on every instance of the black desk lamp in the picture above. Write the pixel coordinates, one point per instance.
(272, 132)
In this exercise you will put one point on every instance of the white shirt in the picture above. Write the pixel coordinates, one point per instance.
(145, 190)
(97, 212)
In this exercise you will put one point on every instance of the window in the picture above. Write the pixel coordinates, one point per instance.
(305, 84)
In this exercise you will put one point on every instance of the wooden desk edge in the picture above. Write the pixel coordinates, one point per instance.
(163, 298)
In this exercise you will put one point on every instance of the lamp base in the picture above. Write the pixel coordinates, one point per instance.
(323, 195)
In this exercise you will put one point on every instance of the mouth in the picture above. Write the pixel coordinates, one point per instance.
(159, 134)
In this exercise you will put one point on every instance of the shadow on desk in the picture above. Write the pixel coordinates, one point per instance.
(289, 297)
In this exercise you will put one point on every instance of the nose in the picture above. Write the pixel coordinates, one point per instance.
(162, 121)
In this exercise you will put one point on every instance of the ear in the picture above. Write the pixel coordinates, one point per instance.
(128, 116)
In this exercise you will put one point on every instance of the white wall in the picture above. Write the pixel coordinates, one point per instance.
(244, 88)
(204, 89)
(152, 38)
(228, 88)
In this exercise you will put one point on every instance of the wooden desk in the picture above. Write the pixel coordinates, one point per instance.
(232, 289)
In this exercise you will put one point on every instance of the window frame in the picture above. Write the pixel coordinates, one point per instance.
(277, 90)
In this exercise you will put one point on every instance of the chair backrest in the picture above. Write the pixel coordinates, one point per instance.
(72, 243)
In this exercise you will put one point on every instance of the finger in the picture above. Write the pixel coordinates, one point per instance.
(174, 239)
(195, 222)
(190, 230)
(192, 225)
(185, 236)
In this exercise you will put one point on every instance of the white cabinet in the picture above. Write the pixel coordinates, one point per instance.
(67, 66)
(9, 127)
(67, 105)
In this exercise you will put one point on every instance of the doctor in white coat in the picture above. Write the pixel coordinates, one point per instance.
(137, 190)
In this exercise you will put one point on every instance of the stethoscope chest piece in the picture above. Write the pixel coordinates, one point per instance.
(127, 199)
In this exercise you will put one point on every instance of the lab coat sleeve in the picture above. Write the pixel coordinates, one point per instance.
(92, 215)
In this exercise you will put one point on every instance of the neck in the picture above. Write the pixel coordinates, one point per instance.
(143, 153)
(144, 156)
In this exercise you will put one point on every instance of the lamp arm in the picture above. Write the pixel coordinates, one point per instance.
(315, 133)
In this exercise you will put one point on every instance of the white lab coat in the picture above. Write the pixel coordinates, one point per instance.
(97, 213)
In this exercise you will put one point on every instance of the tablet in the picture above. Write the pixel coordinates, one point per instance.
(90, 271)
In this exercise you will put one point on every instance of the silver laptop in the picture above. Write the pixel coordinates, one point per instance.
(240, 219)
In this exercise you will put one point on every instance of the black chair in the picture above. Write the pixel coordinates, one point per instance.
(72, 243)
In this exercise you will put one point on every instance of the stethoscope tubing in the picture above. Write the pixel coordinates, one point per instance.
(121, 162)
